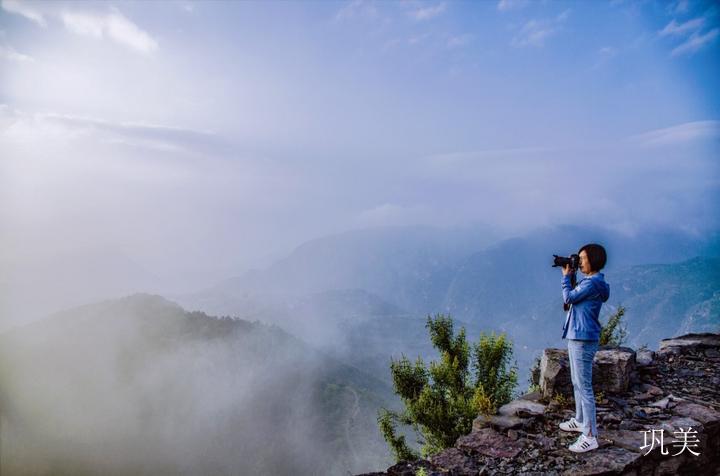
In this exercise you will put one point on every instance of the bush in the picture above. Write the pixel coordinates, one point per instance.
(443, 400)
(614, 332)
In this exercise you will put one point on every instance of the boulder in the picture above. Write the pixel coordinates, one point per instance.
(644, 357)
(501, 422)
(612, 367)
(456, 461)
(709, 417)
(522, 408)
(555, 373)
(608, 460)
(489, 442)
(679, 344)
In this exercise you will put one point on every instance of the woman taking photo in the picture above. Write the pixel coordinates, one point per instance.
(582, 329)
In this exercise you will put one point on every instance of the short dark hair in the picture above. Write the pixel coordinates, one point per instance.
(596, 255)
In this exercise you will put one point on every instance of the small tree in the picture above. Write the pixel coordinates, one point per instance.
(614, 332)
(441, 402)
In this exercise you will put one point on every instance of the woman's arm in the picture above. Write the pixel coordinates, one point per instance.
(581, 291)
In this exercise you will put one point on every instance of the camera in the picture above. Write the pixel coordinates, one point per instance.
(573, 261)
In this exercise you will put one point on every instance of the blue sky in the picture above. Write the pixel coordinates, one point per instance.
(202, 138)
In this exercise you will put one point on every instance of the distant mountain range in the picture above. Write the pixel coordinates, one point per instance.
(380, 285)
(292, 383)
(140, 386)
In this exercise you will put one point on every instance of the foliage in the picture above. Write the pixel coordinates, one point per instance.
(442, 401)
(614, 332)
(560, 399)
(599, 397)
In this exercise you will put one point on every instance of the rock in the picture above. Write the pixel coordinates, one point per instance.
(555, 373)
(453, 459)
(705, 415)
(532, 396)
(630, 425)
(522, 408)
(675, 423)
(409, 468)
(644, 357)
(694, 341)
(611, 418)
(668, 402)
(631, 440)
(502, 422)
(547, 443)
(608, 460)
(612, 367)
(652, 389)
(488, 442)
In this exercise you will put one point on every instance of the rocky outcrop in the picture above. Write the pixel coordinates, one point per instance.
(612, 369)
(673, 393)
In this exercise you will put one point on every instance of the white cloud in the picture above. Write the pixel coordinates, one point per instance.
(24, 127)
(113, 25)
(9, 53)
(605, 54)
(695, 42)
(505, 5)
(357, 8)
(682, 133)
(391, 214)
(535, 32)
(678, 29)
(428, 12)
(27, 10)
(681, 6)
(458, 41)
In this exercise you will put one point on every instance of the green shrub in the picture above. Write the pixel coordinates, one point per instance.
(614, 332)
(442, 401)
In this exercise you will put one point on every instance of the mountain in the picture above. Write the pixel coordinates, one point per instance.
(485, 285)
(138, 385)
(408, 266)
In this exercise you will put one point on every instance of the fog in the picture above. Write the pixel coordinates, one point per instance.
(168, 147)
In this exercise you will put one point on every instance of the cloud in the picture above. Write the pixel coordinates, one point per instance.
(391, 214)
(459, 41)
(681, 6)
(356, 9)
(695, 43)
(113, 25)
(678, 29)
(679, 134)
(605, 54)
(505, 5)
(427, 12)
(8, 53)
(535, 32)
(22, 127)
(27, 10)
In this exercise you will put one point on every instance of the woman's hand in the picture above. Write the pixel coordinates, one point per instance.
(566, 270)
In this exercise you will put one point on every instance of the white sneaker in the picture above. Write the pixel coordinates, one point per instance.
(571, 425)
(583, 444)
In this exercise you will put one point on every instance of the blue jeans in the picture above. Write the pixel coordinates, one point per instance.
(581, 354)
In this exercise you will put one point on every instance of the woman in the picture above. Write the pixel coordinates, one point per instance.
(582, 329)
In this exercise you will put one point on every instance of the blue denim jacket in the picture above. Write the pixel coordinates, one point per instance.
(582, 321)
